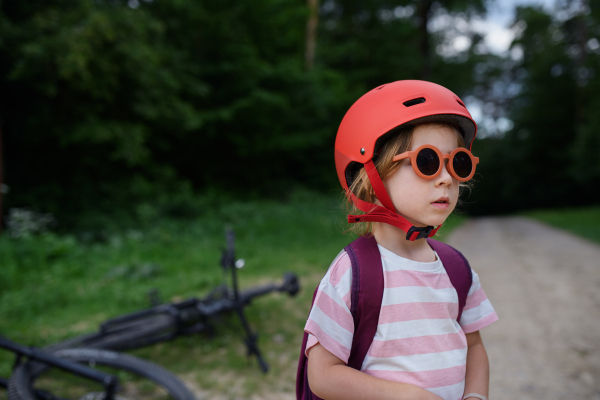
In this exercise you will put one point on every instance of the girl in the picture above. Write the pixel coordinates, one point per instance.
(401, 152)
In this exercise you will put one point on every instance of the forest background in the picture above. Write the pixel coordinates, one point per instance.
(117, 112)
(132, 132)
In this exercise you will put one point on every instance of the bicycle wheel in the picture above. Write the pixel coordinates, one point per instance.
(138, 379)
(126, 335)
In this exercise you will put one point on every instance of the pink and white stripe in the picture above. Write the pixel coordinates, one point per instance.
(418, 340)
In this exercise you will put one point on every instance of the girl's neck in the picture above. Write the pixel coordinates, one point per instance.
(394, 239)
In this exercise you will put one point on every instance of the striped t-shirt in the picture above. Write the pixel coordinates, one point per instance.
(418, 340)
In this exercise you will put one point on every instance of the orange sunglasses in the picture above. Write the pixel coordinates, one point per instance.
(426, 162)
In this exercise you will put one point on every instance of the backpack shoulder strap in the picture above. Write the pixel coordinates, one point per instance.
(458, 269)
(366, 296)
(303, 391)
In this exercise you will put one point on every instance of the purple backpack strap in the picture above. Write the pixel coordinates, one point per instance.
(366, 296)
(303, 391)
(458, 270)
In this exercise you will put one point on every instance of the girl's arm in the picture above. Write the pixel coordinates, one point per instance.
(477, 379)
(331, 379)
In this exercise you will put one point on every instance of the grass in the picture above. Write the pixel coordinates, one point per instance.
(584, 222)
(54, 287)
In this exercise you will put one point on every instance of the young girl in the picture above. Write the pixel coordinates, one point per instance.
(402, 150)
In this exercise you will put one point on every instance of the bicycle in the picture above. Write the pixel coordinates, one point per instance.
(167, 321)
(87, 374)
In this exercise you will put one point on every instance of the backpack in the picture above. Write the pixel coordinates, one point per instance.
(367, 294)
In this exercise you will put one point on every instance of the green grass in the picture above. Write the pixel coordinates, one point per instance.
(54, 287)
(584, 222)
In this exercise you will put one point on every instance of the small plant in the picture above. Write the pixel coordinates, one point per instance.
(135, 271)
(25, 222)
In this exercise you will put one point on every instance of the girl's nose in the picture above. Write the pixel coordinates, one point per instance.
(444, 178)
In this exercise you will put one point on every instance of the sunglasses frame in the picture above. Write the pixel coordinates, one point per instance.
(442, 157)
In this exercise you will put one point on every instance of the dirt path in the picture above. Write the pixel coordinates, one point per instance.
(545, 286)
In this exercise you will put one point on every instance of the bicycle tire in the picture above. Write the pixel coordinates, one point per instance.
(127, 335)
(22, 382)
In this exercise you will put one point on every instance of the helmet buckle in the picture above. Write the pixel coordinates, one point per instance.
(424, 232)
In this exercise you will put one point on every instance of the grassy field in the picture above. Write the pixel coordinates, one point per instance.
(584, 222)
(54, 287)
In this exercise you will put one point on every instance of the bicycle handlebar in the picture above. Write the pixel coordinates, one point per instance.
(246, 296)
(216, 306)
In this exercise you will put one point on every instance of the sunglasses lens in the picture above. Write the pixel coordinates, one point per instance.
(462, 164)
(428, 162)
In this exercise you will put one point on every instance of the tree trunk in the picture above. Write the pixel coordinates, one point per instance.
(423, 8)
(1, 180)
(581, 35)
(311, 34)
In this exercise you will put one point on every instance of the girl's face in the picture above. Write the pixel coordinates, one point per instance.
(425, 201)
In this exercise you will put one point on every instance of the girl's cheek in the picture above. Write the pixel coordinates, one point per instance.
(454, 193)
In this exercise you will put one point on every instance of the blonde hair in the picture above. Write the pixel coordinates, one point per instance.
(399, 141)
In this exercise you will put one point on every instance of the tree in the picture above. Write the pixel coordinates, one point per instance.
(311, 33)
(551, 157)
(104, 105)
(380, 41)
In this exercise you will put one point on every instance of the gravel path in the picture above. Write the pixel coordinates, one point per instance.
(545, 286)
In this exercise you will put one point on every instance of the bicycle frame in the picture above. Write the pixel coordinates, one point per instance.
(232, 300)
(166, 321)
(110, 382)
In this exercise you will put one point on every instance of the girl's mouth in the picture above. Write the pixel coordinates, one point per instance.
(442, 203)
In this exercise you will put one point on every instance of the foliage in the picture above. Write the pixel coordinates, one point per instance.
(379, 41)
(104, 105)
(551, 157)
(108, 107)
(119, 112)
(22, 222)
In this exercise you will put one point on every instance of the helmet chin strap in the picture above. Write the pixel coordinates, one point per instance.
(386, 214)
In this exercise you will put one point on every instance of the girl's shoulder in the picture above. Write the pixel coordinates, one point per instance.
(340, 269)
(337, 282)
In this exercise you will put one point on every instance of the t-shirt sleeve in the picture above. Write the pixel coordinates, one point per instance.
(478, 312)
(330, 322)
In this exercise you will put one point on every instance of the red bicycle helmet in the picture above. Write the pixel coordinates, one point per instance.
(371, 117)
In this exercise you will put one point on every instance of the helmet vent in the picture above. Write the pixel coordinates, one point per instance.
(380, 87)
(414, 102)
(460, 102)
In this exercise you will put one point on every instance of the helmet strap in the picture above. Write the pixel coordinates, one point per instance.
(378, 187)
(386, 214)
